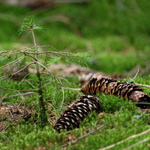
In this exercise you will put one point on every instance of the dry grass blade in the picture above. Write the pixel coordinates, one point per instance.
(21, 69)
(136, 74)
(62, 99)
(73, 89)
(138, 143)
(22, 94)
(28, 82)
(131, 137)
(148, 86)
(15, 90)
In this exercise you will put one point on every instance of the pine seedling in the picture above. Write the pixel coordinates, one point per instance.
(29, 25)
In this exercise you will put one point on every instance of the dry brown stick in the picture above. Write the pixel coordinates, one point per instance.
(138, 84)
(25, 94)
(23, 79)
(29, 56)
(4, 97)
(45, 52)
(16, 60)
(120, 110)
(16, 90)
(3, 52)
(3, 129)
(21, 96)
(29, 83)
(22, 69)
(63, 99)
(51, 52)
(135, 74)
(130, 137)
(61, 78)
(73, 89)
(85, 135)
(143, 141)
(48, 52)
(9, 53)
(4, 77)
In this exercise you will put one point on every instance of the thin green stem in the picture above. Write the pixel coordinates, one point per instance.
(42, 107)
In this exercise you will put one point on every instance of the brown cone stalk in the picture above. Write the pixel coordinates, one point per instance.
(76, 112)
(121, 89)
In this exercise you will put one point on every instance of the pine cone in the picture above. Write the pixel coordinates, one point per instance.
(121, 89)
(76, 112)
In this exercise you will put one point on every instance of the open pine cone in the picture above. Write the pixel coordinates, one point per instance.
(75, 114)
(121, 89)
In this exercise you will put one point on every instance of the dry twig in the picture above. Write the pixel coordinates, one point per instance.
(21, 69)
(138, 84)
(136, 74)
(141, 142)
(62, 98)
(131, 137)
(15, 61)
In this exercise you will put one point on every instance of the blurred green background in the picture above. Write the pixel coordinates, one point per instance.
(116, 33)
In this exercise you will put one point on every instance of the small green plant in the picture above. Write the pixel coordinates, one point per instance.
(40, 61)
(29, 25)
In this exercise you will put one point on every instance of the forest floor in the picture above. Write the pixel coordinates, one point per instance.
(111, 41)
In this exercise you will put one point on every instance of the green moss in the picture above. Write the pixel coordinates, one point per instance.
(118, 32)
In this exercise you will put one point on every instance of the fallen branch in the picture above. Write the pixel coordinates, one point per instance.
(73, 89)
(28, 82)
(15, 90)
(138, 84)
(131, 137)
(21, 94)
(143, 141)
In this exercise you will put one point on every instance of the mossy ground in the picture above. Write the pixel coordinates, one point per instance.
(118, 35)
